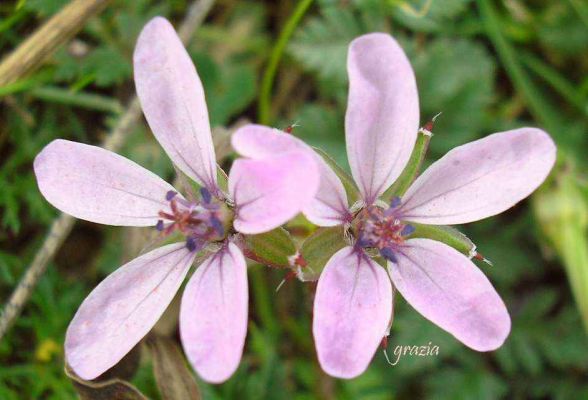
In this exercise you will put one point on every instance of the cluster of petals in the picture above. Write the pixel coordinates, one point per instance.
(97, 185)
(354, 296)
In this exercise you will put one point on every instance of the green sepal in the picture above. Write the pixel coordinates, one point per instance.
(185, 184)
(317, 249)
(222, 179)
(412, 168)
(348, 183)
(271, 248)
(445, 234)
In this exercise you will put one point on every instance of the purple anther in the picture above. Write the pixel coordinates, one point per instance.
(206, 196)
(159, 225)
(395, 202)
(217, 225)
(170, 195)
(388, 254)
(191, 243)
(364, 242)
(407, 230)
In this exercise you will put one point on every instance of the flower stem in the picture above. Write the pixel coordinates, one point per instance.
(263, 109)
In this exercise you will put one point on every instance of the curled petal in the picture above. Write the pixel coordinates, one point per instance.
(123, 308)
(481, 178)
(258, 141)
(97, 185)
(449, 290)
(173, 101)
(270, 191)
(213, 315)
(329, 207)
(382, 116)
(352, 310)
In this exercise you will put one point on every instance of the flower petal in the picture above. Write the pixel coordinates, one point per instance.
(213, 315)
(382, 117)
(97, 185)
(259, 141)
(352, 310)
(173, 101)
(449, 290)
(481, 178)
(329, 207)
(123, 308)
(270, 191)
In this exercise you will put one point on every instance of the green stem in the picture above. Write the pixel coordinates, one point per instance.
(26, 83)
(582, 10)
(264, 109)
(77, 99)
(263, 301)
(558, 82)
(538, 106)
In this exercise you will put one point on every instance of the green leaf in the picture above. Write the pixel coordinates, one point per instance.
(539, 105)
(347, 181)
(321, 45)
(271, 248)
(428, 15)
(455, 77)
(321, 125)
(108, 66)
(235, 90)
(318, 249)
(560, 30)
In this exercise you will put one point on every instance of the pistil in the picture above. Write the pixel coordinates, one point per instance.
(380, 229)
(200, 221)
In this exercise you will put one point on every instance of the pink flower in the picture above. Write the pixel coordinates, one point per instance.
(99, 186)
(353, 303)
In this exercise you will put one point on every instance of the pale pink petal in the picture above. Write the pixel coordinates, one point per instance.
(213, 315)
(449, 290)
(258, 141)
(382, 117)
(329, 207)
(97, 185)
(352, 311)
(481, 178)
(173, 101)
(268, 192)
(123, 308)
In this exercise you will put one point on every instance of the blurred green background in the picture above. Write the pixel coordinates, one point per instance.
(486, 65)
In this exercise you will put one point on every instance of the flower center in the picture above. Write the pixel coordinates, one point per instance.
(202, 221)
(380, 229)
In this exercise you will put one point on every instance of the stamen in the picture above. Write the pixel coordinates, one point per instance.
(407, 230)
(395, 202)
(382, 230)
(388, 254)
(206, 196)
(199, 222)
(363, 242)
(191, 243)
(170, 195)
(217, 225)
